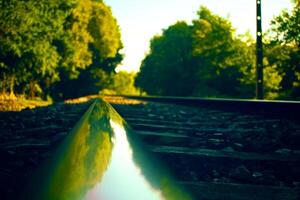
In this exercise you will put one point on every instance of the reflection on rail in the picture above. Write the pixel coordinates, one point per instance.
(99, 160)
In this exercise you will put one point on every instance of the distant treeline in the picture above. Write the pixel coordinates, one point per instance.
(206, 58)
(57, 48)
(68, 48)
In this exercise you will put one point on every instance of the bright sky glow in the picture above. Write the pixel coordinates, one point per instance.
(140, 20)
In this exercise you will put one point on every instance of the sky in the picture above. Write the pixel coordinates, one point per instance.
(140, 20)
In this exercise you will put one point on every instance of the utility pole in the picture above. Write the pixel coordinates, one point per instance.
(259, 53)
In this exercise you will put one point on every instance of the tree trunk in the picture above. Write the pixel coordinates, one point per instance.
(11, 87)
(31, 89)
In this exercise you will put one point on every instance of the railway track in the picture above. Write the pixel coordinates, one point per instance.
(30, 137)
(214, 149)
(220, 150)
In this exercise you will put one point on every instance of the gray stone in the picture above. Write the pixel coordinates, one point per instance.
(228, 149)
(240, 173)
(215, 173)
(257, 174)
(283, 151)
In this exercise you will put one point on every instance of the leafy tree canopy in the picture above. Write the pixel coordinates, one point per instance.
(169, 54)
(122, 84)
(283, 50)
(202, 59)
(45, 41)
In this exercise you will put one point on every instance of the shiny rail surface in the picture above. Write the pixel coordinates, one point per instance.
(102, 159)
(221, 149)
(156, 148)
(29, 137)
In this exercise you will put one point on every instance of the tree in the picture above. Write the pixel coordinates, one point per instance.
(203, 59)
(27, 32)
(104, 48)
(284, 50)
(216, 52)
(74, 46)
(227, 62)
(122, 84)
(194, 58)
(168, 68)
(44, 42)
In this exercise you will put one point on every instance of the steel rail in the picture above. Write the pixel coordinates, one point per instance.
(273, 107)
(103, 158)
(99, 159)
(200, 139)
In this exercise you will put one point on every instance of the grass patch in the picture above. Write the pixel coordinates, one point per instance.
(20, 103)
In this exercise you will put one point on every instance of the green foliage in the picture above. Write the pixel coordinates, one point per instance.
(74, 46)
(105, 31)
(218, 55)
(203, 59)
(104, 48)
(168, 65)
(47, 43)
(283, 51)
(27, 32)
(286, 27)
(122, 84)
